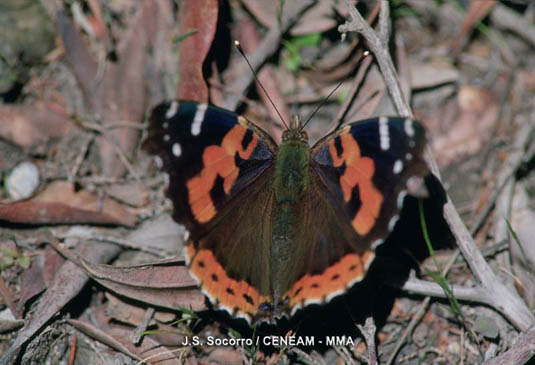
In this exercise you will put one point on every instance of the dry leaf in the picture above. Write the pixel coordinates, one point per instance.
(199, 17)
(60, 203)
(165, 283)
(28, 125)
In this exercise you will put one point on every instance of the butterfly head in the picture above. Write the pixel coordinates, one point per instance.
(295, 131)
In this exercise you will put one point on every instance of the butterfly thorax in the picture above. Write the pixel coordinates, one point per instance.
(291, 180)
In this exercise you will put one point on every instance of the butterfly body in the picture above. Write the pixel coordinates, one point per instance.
(275, 228)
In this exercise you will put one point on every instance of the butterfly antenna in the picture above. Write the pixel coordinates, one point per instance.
(240, 49)
(366, 53)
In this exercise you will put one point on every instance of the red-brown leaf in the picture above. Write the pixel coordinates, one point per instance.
(165, 283)
(198, 16)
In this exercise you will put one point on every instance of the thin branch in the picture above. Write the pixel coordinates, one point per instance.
(368, 331)
(379, 48)
(472, 294)
(412, 324)
(521, 352)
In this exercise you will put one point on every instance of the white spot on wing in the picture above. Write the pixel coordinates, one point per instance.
(377, 243)
(408, 156)
(334, 294)
(313, 301)
(165, 125)
(384, 137)
(393, 222)
(166, 138)
(173, 108)
(176, 149)
(369, 262)
(398, 166)
(409, 127)
(296, 308)
(198, 119)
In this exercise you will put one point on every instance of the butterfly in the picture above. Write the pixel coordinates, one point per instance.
(274, 228)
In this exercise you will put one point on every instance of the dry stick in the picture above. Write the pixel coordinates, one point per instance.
(492, 291)
(267, 47)
(520, 353)
(71, 175)
(379, 47)
(368, 331)
(115, 145)
(305, 358)
(139, 332)
(509, 19)
(344, 355)
(414, 320)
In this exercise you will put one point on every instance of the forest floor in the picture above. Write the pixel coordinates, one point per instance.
(78, 81)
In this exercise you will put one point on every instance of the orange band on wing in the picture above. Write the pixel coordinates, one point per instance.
(218, 161)
(238, 297)
(335, 280)
(359, 171)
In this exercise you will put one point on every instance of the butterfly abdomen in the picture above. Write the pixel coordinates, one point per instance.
(291, 179)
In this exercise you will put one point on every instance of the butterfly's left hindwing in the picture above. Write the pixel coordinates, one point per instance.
(210, 155)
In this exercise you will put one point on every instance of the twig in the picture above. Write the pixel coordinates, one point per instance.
(267, 47)
(345, 356)
(492, 291)
(423, 287)
(138, 333)
(412, 324)
(521, 352)
(379, 47)
(305, 358)
(503, 17)
(368, 331)
(71, 175)
(72, 355)
(103, 131)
